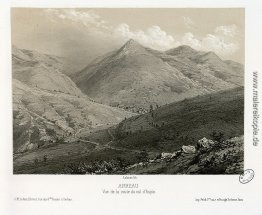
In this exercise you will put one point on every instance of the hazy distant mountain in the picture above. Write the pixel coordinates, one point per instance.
(48, 107)
(42, 71)
(134, 76)
(228, 71)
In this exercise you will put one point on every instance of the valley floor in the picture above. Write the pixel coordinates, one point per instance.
(86, 146)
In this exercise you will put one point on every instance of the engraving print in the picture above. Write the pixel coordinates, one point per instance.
(128, 91)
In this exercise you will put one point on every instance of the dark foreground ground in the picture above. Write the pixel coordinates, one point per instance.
(225, 157)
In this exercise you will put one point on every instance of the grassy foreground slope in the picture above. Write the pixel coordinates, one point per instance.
(183, 123)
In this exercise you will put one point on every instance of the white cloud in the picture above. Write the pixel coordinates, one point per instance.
(154, 37)
(87, 18)
(219, 42)
(227, 30)
(222, 40)
(219, 45)
(189, 39)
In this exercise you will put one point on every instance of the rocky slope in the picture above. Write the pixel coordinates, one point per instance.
(48, 108)
(226, 157)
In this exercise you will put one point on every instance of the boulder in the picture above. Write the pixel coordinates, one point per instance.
(174, 154)
(189, 149)
(205, 143)
(166, 155)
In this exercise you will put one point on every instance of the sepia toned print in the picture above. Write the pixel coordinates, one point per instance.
(128, 91)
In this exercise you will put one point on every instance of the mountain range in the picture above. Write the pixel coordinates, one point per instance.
(135, 77)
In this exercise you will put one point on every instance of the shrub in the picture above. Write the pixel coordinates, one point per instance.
(36, 161)
(218, 136)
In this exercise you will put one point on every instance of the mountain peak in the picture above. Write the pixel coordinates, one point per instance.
(184, 49)
(131, 46)
(131, 42)
(210, 56)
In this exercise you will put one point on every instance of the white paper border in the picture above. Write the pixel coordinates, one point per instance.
(175, 194)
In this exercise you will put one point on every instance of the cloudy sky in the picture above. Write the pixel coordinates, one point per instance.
(84, 34)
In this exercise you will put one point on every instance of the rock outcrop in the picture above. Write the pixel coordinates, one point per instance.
(212, 157)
